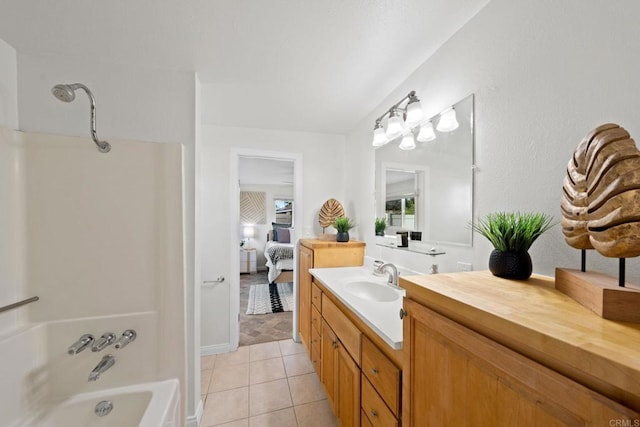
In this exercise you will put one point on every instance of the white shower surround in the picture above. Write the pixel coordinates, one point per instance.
(101, 244)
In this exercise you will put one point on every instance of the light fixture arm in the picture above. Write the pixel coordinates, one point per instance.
(410, 95)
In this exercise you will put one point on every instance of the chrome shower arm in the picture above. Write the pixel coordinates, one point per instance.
(66, 93)
(103, 146)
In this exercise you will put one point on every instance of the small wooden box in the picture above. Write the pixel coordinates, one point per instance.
(601, 294)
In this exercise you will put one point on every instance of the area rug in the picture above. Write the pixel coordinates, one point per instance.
(270, 298)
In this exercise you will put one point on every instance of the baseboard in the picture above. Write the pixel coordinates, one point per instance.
(216, 349)
(194, 420)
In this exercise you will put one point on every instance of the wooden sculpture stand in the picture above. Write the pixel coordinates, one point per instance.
(601, 294)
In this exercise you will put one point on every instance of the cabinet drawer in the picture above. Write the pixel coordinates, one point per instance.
(382, 373)
(316, 297)
(316, 319)
(316, 354)
(315, 336)
(364, 421)
(374, 407)
(346, 331)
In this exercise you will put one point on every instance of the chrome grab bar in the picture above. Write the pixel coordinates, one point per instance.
(18, 304)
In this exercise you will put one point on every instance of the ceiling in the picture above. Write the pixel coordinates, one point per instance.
(306, 65)
(263, 171)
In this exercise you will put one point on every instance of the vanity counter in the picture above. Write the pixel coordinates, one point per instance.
(382, 317)
(534, 319)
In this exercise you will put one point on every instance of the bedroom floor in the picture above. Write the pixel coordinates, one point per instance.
(261, 328)
(268, 384)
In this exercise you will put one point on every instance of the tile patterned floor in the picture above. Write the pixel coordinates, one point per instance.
(267, 384)
(259, 328)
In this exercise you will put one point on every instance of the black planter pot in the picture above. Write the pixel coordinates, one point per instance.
(510, 265)
(342, 236)
(380, 233)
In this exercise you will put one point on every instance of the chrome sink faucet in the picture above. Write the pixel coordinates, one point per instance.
(106, 362)
(392, 271)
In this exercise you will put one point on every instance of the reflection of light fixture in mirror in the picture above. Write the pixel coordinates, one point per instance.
(407, 143)
(447, 121)
(248, 233)
(395, 125)
(379, 135)
(426, 132)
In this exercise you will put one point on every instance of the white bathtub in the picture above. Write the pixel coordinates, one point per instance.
(155, 404)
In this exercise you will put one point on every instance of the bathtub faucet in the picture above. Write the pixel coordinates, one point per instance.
(106, 339)
(127, 336)
(106, 362)
(83, 342)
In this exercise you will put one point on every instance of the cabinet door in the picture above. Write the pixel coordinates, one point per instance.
(454, 376)
(348, 385)
(328, 364)
(305, 262)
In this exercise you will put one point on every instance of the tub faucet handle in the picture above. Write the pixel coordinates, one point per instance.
(106, 339)
(127, 336)
(83, 342)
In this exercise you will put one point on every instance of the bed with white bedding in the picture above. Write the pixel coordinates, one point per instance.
(279, 261)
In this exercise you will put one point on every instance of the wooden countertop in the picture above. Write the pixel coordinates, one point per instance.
(321, 243)
(533, 318)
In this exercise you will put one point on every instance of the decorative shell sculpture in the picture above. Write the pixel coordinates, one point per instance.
(601, 194)
(330, 210)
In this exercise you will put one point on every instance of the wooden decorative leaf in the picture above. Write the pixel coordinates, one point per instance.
(330, 210)
(601, 194)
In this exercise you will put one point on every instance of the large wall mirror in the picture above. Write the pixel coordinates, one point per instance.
(430, 188)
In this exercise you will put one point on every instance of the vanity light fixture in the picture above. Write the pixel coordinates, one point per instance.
(403, 120)
(415, 115)
(395, 124)
(379, 135)
(448, 121)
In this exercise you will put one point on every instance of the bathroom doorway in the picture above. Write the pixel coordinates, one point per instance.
(264, 216)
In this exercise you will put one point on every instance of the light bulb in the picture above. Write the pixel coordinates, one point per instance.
(414, 112)
(447, 121)
(379, 135)
(407, 143)
(395, 125)
(426, 132)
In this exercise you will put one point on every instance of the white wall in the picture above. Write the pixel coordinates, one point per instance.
(544, 74)
(12, 232)
(8, 86)
(323, 178)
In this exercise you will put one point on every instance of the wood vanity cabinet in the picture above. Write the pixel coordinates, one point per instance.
(483, 351)
(316, 253)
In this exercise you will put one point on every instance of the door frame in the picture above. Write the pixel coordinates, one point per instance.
(234, 240)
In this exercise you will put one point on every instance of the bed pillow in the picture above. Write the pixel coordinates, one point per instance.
(284, 235)
(277, 226)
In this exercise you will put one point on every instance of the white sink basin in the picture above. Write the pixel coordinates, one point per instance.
(372, 291)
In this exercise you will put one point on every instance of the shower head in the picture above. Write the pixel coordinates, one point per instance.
(66, 93)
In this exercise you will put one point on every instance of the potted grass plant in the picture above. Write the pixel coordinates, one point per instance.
(343, 224)
(380, 225)
(512, 234)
